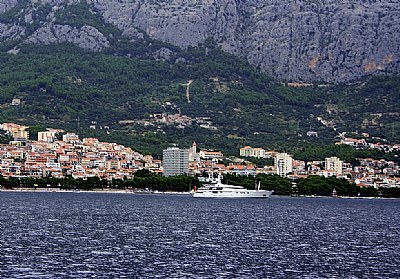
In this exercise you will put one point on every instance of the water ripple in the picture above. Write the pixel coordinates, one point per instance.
(58, 235)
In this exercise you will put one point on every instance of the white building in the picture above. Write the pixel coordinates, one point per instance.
(283, 164)
(334, 165)
(211, 155)
(16, 102)
(71, 138)
(249, 151)
(48, 136)
(356, 143)
(175, 161)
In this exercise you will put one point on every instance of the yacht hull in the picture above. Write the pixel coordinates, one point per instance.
(217, 189)
(239, 194)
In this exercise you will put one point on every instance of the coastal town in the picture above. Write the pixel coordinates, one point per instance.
(58, 154)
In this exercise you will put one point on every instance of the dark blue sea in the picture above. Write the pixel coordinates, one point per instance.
(97, 235)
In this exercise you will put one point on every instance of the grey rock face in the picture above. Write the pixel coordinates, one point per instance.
(324, 40)
(321, 40)
(11, 32)
(303, 40)
(163, 54)
(5, 5)
(85, 37)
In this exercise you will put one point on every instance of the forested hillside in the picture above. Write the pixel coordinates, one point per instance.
(231, 104)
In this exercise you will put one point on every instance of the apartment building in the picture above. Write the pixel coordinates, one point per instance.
(334, 166)
(283, 164)
(175, 161)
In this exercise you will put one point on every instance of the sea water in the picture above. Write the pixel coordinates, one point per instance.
(95, 235)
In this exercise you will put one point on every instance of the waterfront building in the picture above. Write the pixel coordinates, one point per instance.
(283, 164)
(175, 161)
(334, 165)
(239, 169)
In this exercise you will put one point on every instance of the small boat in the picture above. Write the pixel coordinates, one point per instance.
(220, 190)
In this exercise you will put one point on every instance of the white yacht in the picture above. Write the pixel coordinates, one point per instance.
(219, 190)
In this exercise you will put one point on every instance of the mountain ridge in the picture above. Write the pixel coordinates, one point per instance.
(302, 41)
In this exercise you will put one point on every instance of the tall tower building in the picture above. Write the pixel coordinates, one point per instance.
(334, 164)
(283, 164)
(193, 155)
(175, 161)
(194, 148)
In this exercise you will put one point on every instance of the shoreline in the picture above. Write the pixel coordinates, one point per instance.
(108, 191)
(142, 192)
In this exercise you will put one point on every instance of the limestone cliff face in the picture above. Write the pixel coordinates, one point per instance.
(5, 5)
(85, 37)
(298, 40)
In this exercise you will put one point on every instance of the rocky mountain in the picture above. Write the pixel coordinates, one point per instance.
(298, 40)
